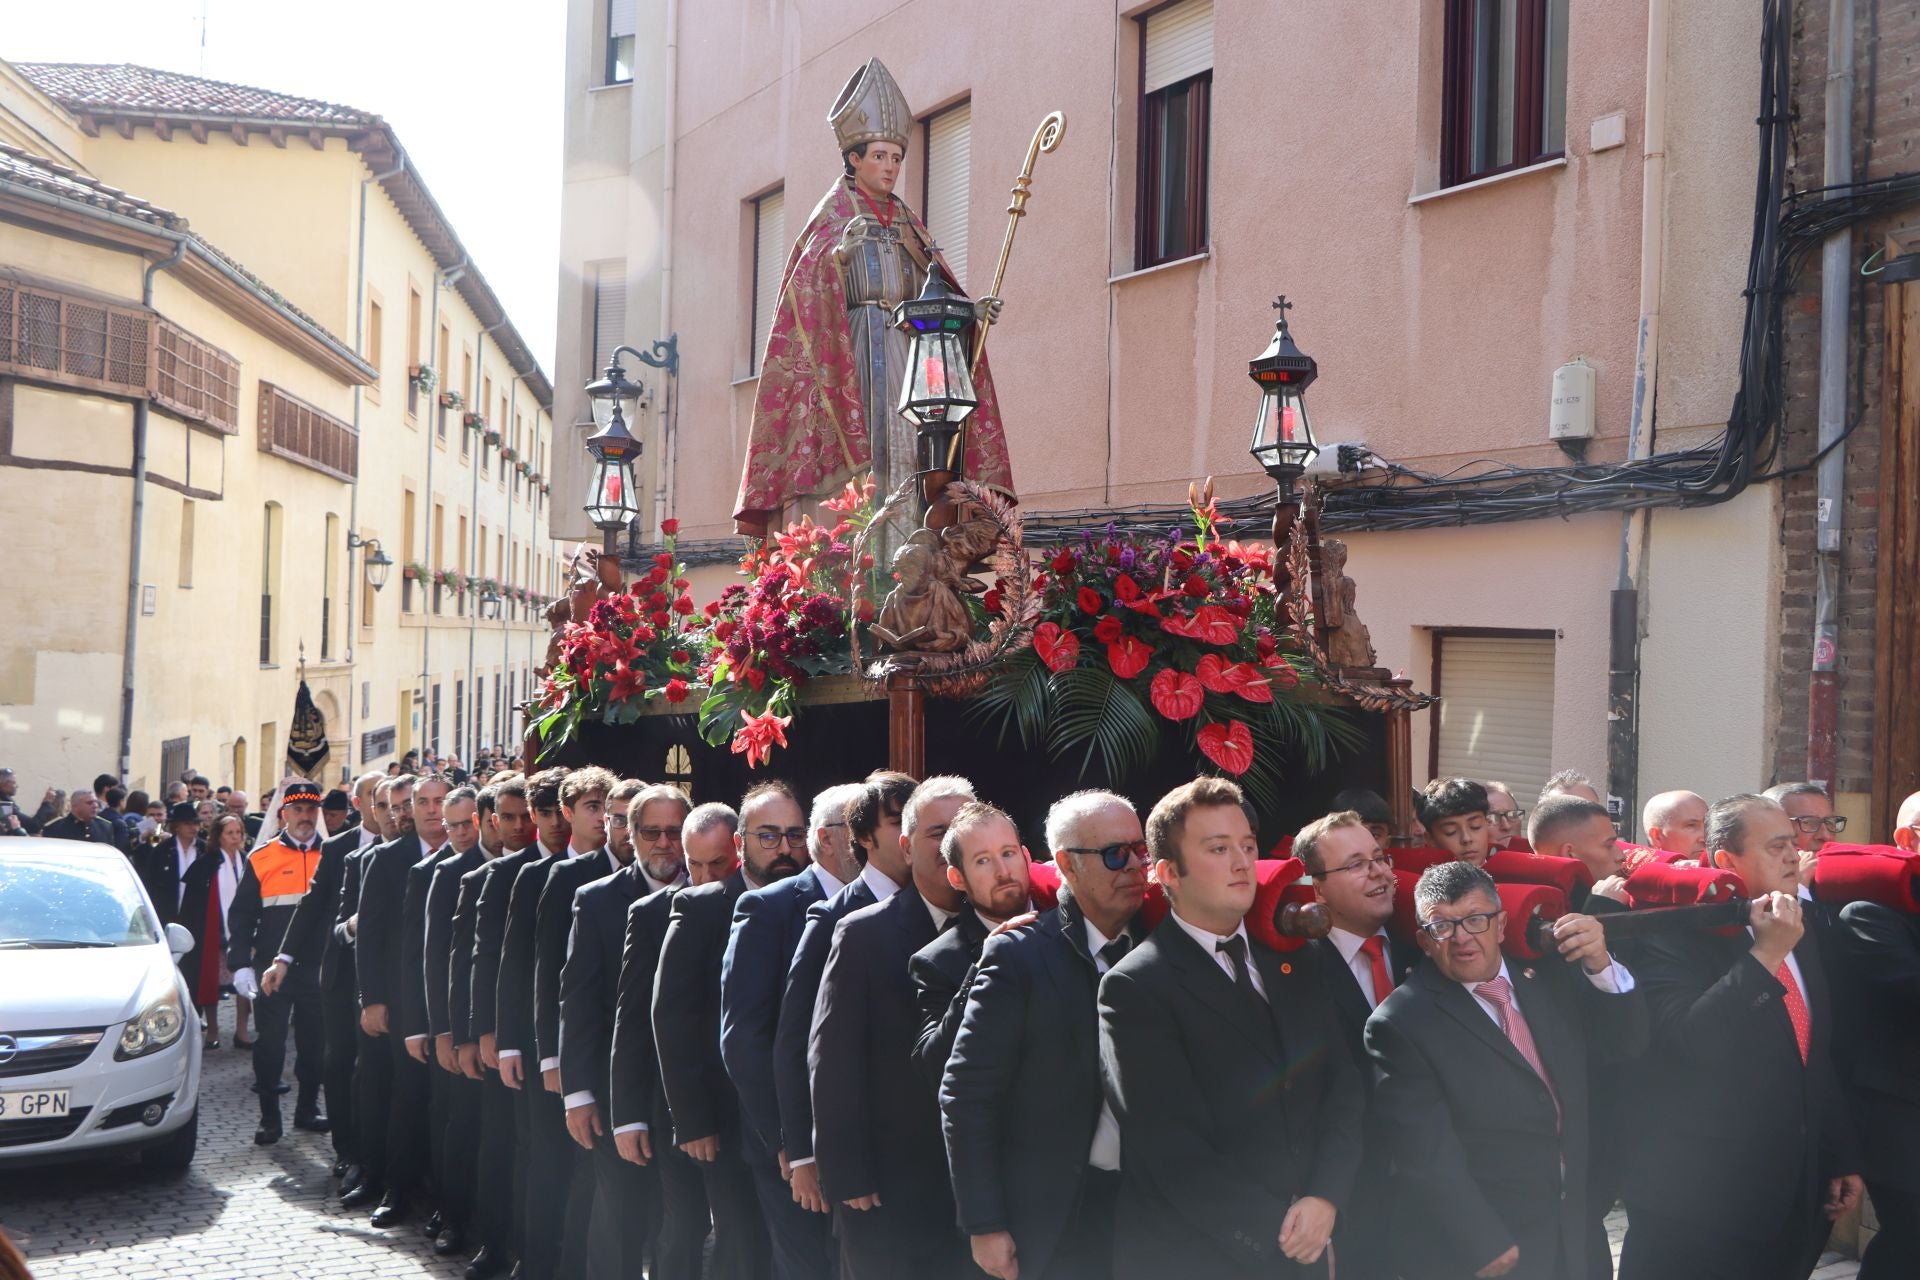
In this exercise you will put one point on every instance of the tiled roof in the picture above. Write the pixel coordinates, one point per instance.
(127, 87)
(28, 170)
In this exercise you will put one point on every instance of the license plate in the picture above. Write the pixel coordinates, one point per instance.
(36, 1104)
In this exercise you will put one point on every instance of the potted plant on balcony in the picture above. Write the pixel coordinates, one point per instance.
(414, 571)
(451, 400)
(507, 453)
(474, 421)
(422, 377)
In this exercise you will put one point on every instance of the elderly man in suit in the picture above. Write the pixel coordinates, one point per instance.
(1033, 1147)
(1746, 1151)
(1482, 1092)
(1223, 1174)
(753, 975)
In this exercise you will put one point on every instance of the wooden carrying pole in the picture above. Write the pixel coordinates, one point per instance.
(1045, 138)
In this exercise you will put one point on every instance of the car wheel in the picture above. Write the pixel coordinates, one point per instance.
(175, 1153)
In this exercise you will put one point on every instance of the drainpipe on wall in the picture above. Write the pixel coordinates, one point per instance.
(437, 420)
(139, 516)
(1836, 297)
(503, 714)
(472, 745)
(353, 500)
(1623, 646)
(669, 438)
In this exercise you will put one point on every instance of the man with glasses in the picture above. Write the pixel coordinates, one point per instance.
(1906, 832)
(1810, 809)
(1032, 1144)
(753, 974)
(456, 1096)
(1482, 1076)
(1359, 964)
(1505, 816)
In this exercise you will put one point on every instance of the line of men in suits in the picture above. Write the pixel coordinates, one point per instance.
(592, 1030)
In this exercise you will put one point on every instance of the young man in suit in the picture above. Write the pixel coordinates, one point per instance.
(1745, 1152)
(989, 867)
(372, 1061)
(418, 1111)
(1359, 965)
(1482, 1065)
(876, 1127)
(703, 847)
(873, 825)
(1223, 1174)
(456, 1136)
(753, 975)
(624, 1203)
(686, 1034)
(1032, 1146)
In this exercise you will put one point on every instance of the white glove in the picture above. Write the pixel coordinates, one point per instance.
(246, 984)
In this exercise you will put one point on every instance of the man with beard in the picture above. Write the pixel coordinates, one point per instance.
(677, 848)
(873, 825)
(456, 1136)
(766, 929)
(621, 1197)
(310, 940)
(1033, 1147)
(686, 1026)
(276, 878)
(989, 867)
(583, 798)
(876, 1127)
(536, 1207)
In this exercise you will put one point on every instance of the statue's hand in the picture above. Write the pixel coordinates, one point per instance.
(987, 310)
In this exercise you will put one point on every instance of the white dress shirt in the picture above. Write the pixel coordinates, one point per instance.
(545, 852)
(829, 883)
(876, 880)
(183, 857)
(1105, 1152)
(1614, 980)
(941, 916)
(1793, 965)
(1209, 942)
(553, 1063)
(1348, 945)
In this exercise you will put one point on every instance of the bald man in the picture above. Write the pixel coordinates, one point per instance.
(1907, 833)
(1676, 822)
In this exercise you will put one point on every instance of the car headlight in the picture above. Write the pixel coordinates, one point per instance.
(153, 1028)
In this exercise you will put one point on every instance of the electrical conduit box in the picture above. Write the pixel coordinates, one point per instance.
(1571, 415)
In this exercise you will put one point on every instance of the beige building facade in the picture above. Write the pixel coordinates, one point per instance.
(332, 437)
(1462, 201)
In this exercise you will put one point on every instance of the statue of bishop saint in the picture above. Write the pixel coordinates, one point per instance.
(831, 374)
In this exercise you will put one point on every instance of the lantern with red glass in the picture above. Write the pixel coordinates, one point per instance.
(1283, 441)
(611, 503)
(937, 395)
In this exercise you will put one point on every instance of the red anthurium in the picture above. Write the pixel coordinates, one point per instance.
(1249, 683)
(1212, 670)
(1129, 657)
(1108, 629)
(1228, 745)
(1283, 673)
(1089, 600)
(1177, 695)
(1057, 647)
(1210, 624)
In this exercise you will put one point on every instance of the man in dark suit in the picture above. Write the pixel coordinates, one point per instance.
(84, 822)
(1359, 966)
(503, 1130)
(873, 824)
(991, 870)
(623, 1198)
(686, 1035)
(753, 975)
(637, 1107)
(1482, 1093)
(541, 1138)
(372, 1059)
(1877, 983)
(164, 867)
(377, 928)
(456, 1140)
(1032, 1146)
(424, 1125)
(1222, 1173)
(583, 797)
(1745, 1152)
(876, 1125)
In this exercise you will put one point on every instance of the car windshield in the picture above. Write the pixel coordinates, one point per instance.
(58, 902)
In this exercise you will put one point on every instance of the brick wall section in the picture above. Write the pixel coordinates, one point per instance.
(1896, 149)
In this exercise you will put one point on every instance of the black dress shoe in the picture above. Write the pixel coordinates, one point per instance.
(282, 1087)
(450, 1241)
(212, 1044)
(312, 1122)
(487, 1263)
(350, 1181)
(364, 1192)
(435, 1225)
(268, 1133)
(392, 1212)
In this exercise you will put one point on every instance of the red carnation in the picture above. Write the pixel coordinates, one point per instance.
(1062, 563)
(1195, 586)
(1107, 630)
(663, 560)
(1089, 600)
(676, 690)
(683, 604)
(661, 619)
(713, 609)
(681, 657)
(723, 628)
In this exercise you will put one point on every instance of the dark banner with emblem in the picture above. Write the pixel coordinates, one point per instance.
(307, 739)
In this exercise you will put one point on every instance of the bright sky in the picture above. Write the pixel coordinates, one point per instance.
(472, 88)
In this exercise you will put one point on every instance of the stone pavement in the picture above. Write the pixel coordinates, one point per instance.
(241, 1213)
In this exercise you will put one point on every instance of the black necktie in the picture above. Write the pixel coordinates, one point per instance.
(1236, 949)
(1114, 952)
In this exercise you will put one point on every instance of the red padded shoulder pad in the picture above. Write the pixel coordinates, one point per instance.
(1277, 881)
(1881, 873)
(1661, 884)
(1564, 874)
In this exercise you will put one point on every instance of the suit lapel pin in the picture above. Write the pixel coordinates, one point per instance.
(1286, 967)
(1527, 974)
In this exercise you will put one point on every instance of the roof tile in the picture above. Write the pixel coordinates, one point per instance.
(129, 87)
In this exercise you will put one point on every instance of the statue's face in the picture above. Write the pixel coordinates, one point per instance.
(879, 169)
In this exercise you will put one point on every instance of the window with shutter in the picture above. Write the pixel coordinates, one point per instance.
(622, 23)
(949, 172)
(609, 311)
(1495, 719)
(769, 259)
(1176, 69)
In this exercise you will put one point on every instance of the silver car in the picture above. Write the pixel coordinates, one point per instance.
(99, 1044)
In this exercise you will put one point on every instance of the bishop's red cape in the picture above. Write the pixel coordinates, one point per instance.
(809, 431)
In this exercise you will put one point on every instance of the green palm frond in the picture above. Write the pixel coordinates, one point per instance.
(1094, 709)
(1016, 699)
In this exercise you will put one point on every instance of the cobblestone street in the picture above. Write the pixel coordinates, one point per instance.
(242, 1211)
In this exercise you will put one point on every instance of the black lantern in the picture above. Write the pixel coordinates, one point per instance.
(610, 501)
(376, 563)
(612, 393)
(490, 604)
(937, 395)
(1282, 437)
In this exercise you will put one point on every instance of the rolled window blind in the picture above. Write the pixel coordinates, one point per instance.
(622, 18)
(769, 259)
(609, 310)
(949, 173)
(1179, 43)
(1496, 710)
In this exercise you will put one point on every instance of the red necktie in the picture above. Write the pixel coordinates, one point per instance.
(1499, 994)
(1375, 950)
(1796, 1010)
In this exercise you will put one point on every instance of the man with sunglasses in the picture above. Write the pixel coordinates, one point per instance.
(1359, 965)
(1032, 1144)
(753, 974)
(1482, 1063)
(1810, 809)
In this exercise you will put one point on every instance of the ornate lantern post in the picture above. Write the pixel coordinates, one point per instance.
(611, 503)
(1283, 441)
(937, 395)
